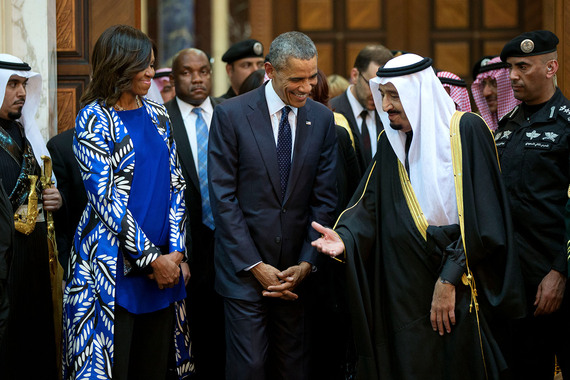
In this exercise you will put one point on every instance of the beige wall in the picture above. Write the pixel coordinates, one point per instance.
(28, 32)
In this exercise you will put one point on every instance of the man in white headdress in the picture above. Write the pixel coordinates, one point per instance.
(29, 338)
(426, 238)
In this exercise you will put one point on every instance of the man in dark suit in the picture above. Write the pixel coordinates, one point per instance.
(191, 114)
(357, 105)
(70, 185)
(271, 168)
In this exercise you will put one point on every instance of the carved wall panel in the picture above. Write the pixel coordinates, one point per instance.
(315, 14)
(493, 47)
(79, 24)
(456, 33)
(326, 57)
(451, 14)
(66, 22)
(500, 13)
(454, 57)
(66, 108)
(364, 14)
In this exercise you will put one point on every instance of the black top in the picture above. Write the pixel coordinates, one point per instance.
(534, 153)
(230, 94)
(392, 269)
(6, 233)
(9, 168)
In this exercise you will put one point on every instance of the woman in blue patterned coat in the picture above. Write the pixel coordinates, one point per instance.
(122, 301)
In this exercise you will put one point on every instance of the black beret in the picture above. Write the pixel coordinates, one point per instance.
(243, 49)
(477, 66)
(530, 43)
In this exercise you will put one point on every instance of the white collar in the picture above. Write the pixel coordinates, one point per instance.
(186, 108)
(274, 102)
(354, 103)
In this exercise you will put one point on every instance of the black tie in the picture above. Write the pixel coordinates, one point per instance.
(284, 149)
(409, 136)
(365, 138)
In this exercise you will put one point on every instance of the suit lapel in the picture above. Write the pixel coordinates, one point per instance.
(302, 133)
(260, 124)
(349, 114)
(346, 109)
(182, 144)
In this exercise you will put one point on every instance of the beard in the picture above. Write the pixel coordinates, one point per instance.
(396, 127)
(15, 115)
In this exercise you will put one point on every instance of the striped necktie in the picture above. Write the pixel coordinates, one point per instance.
(202, 139)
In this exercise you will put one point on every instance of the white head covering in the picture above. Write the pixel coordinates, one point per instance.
(33, 94)
(154, 92)
(429, 110)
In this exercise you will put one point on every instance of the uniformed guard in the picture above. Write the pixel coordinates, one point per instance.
(29, 337)
(242, 59)
(533, 142)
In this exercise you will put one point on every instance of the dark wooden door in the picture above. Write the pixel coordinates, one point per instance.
(79, 24)
(455, 33)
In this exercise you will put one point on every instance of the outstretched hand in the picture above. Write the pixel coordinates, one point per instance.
(329, 243)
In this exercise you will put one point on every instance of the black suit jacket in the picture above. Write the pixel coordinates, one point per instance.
(72, 190)
(348, 173)
(253, 222)
(341, 105)
(199, 238)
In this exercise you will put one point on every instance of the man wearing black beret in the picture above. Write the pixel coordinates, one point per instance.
(533, 142)
(242, 59)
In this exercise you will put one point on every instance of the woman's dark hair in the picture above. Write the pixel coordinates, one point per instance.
(253, 81)
(119, 54)
(320, 92)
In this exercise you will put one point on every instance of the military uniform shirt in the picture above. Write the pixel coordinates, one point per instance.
(534, 157)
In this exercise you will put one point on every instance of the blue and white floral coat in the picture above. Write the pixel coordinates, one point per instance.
(106, 158)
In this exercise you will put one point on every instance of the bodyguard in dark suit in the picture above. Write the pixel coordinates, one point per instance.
(357, 105)
(272, 160)
(72, 191)
(191, 114)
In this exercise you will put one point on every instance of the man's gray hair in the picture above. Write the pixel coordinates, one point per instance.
(290, 45)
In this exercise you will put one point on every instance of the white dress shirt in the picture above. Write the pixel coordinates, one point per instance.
(275, 106)
(190, 118)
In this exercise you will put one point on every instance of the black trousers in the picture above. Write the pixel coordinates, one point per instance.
(267, 339)
(4, 307)
(142, 343)
(536, 340)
